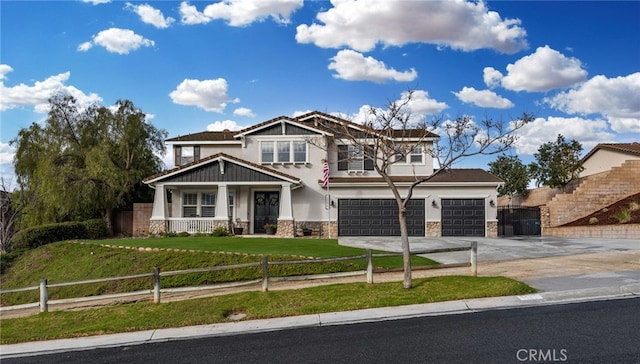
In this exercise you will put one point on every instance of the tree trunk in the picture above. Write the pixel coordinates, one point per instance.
(107, 215)
(406, 251)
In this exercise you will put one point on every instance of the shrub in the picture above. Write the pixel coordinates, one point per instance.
(633, 206)
(36, 236)
(220, 231)
(96, 229)
(623, 216)
(593, 220)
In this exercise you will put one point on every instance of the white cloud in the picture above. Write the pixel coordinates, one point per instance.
(116, 40)
(223, 125)
(210, 95)
(492, 77)
(38, 94)
(421, 105)
(4, 69)
(239, 13)
(544, 70)
(588, 132)
(96, 2)
(150, 15)
(353, 66)
(243, 111)
(85, 46)
(618, 99)
(190, 15)
(483, 98)
(7, 173)
(458, 24)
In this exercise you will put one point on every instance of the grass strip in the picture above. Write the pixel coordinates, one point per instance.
(256, 305)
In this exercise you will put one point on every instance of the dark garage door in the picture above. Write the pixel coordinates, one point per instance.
(463, 217)
(378, 217)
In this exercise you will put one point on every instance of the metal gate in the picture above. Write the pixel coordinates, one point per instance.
(518, 220)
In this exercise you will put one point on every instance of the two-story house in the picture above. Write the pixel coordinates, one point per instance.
(272, 173)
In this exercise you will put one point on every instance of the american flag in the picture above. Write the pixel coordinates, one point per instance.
(325, 174)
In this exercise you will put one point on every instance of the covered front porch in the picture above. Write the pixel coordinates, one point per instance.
(222, 193)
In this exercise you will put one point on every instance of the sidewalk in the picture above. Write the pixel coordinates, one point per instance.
(561, 279)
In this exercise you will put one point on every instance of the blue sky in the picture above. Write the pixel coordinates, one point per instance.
(206, 65)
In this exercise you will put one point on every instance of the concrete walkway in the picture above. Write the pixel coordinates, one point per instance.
(564, 270)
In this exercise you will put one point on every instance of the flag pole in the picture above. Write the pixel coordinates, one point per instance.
(327, 197)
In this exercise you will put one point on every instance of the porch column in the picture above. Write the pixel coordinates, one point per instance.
(286, 211)
(159, 212)
(222, 206)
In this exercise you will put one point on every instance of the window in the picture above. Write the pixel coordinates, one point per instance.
(231, 204)
(190, 205)
(208, 204)
(351, 158)
(283, 152)
(416, 155)
(186, 154)
(299, 152)
(356, 158)
(267, 152)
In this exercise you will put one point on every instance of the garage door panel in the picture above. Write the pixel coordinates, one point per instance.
(378, 217)
(463, 217)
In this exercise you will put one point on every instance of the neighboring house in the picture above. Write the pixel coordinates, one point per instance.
(605, 156)
(272, 173)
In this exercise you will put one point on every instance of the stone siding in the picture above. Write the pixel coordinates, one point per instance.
(622, 231)
(433, 229)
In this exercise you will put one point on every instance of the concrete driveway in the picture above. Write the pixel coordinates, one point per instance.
(546, 263)
(497, 249)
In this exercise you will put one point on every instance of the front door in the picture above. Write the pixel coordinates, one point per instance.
(266, 207)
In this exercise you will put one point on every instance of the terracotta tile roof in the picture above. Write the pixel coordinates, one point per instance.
(308, 120)
(311, 118)
(205, 136)
(216, 156)
(448, 176)
(629, 148)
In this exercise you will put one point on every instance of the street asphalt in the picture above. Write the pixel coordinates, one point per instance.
(571, 270)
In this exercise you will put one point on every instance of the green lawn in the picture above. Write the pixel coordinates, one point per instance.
(72, 261)
(256, 305)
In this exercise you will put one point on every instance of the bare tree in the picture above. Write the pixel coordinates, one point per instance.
(392, 134)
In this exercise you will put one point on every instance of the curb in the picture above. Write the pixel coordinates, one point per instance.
(316, 320)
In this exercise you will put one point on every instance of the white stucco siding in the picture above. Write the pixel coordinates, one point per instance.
(208, 150)
(603, 160)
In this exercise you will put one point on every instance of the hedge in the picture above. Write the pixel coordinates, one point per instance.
(44, 234)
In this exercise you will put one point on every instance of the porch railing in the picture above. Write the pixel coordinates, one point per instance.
(190, 224)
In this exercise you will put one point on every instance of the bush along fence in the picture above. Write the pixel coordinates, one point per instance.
(264, 264)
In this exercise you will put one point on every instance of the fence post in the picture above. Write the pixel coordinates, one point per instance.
(369, 266)
(44, 296)
(265, 273)
(474, 258)
(156, 285)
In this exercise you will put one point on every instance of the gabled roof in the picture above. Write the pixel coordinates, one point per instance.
(205, 136)
(627, 148)
(216, 157)
(317, 121)
(312, 118)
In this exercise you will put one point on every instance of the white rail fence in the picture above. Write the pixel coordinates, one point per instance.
(266, 278)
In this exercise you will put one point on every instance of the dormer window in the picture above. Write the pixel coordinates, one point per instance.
(186, 154)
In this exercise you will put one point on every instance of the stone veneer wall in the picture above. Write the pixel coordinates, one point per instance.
(433, 229)
(286, 229)
(325, 229)
(492, 229)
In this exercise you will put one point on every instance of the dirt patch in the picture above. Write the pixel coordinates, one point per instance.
(611, 214)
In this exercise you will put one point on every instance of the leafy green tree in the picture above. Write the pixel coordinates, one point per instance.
(84, 163)
(514, 173)
(557, 163)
